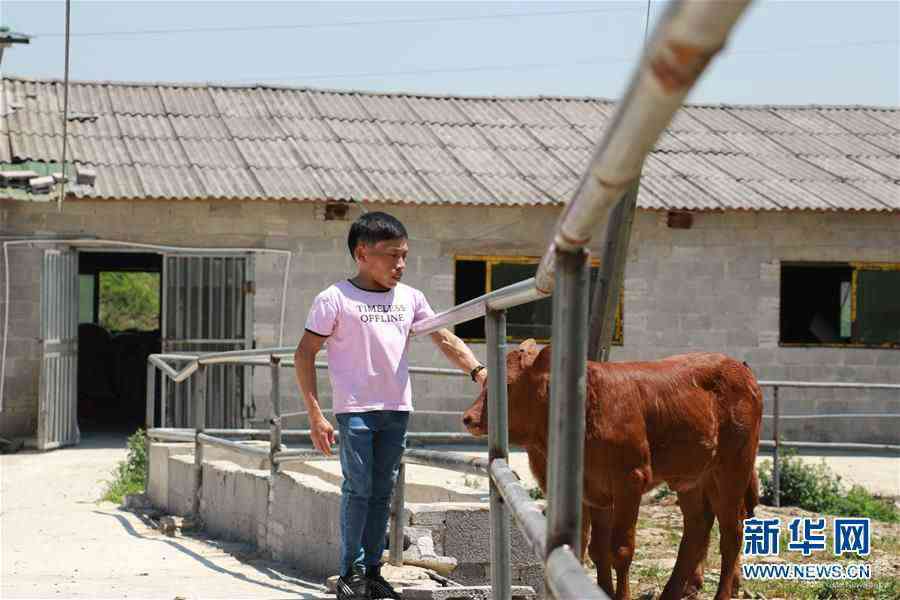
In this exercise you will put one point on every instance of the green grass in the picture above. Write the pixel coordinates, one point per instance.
(129, 475)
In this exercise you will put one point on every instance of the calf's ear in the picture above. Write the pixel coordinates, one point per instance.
(542, 361)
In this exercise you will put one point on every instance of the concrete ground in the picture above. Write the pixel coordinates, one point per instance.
(58, 541)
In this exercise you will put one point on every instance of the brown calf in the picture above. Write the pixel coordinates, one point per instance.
(691, 421)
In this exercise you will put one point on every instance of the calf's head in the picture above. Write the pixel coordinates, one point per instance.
(527, 376)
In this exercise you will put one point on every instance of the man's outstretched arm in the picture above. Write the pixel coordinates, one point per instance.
(458, 353)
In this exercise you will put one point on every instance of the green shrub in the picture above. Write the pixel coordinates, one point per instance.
(816, 488)
(535, 493)
(129, 475)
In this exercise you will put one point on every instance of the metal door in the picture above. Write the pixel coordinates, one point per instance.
(208, 307)
(58, 395)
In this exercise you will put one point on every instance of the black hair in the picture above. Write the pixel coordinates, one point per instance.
(374, 227)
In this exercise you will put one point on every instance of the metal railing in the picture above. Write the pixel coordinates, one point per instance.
(689, 34)
(776, 417)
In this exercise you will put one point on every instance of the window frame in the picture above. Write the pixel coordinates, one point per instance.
(856, 267)
(490, 260)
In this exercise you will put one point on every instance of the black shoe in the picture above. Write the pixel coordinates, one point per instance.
(354, 586)
(378, 585)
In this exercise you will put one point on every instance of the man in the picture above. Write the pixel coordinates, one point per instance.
(365, 322)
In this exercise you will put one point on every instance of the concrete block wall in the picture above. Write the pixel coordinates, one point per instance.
(304, 526)
(23, 349)
(716, 287)
(301, 525)
(234, 501)
(712, 287)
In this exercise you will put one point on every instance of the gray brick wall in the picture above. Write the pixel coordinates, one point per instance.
(712, 287)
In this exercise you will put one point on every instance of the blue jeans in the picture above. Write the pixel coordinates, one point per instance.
(372, 445)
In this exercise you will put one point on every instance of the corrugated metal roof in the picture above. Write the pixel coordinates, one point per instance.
(188, 101)
(841, 195)
(788, 195)
(680, 193)
(213, 141)
(883, 191)
(430, 159)
(855, 145)
(889, 166)
(856, 121)
(292, 184)
(843, 167)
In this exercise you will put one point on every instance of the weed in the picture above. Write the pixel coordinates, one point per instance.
(129, 475)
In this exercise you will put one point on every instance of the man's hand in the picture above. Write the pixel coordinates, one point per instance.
(322, 434)
(481, 377)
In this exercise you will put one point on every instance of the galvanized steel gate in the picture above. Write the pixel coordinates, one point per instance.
(58, 395)
(208, 307)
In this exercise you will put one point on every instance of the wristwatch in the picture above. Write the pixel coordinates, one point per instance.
(475, 371)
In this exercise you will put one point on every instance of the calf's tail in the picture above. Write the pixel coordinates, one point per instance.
(751, 496)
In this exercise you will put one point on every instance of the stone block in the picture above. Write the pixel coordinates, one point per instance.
(158, 486)
(471, 574)
(181, 485)
(482, 592)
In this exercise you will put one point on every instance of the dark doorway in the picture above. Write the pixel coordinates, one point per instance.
(119, 326)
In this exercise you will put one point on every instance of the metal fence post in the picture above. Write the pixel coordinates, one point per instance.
(498, 447)
(565, 461)
(397, 508)
(776, 467)
(151, 417)
(199, 424)
(614, 253)
(275, 420)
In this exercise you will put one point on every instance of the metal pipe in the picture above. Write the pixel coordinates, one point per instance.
(831, 446)
(305, 454)
(506, 297)
(151, 399)
(172, 436)
(275, 439)
(831, 384)
(199, 423)
(454, 461)
(498, 449)
(567, 399)
(838, 416)
(176, 376)
(567, 578)
(614, 252)
(235, 355)
(688, 35)
(211, 440)
(776, 467)
(397, 518)
(525, 510)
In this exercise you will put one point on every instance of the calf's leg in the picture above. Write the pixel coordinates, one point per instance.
(626, 504)
(600, 545)
(730, 511)
(687, 574)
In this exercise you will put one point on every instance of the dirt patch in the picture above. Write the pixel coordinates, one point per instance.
(659, 532)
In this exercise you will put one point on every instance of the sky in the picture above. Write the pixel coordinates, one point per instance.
(782, 52)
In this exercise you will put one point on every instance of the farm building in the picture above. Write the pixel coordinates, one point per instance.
(771, 233)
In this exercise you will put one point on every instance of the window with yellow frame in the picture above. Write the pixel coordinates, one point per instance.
(840, 304)
(477, 275)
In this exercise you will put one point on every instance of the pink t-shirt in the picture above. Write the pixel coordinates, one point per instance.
(368, 333)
